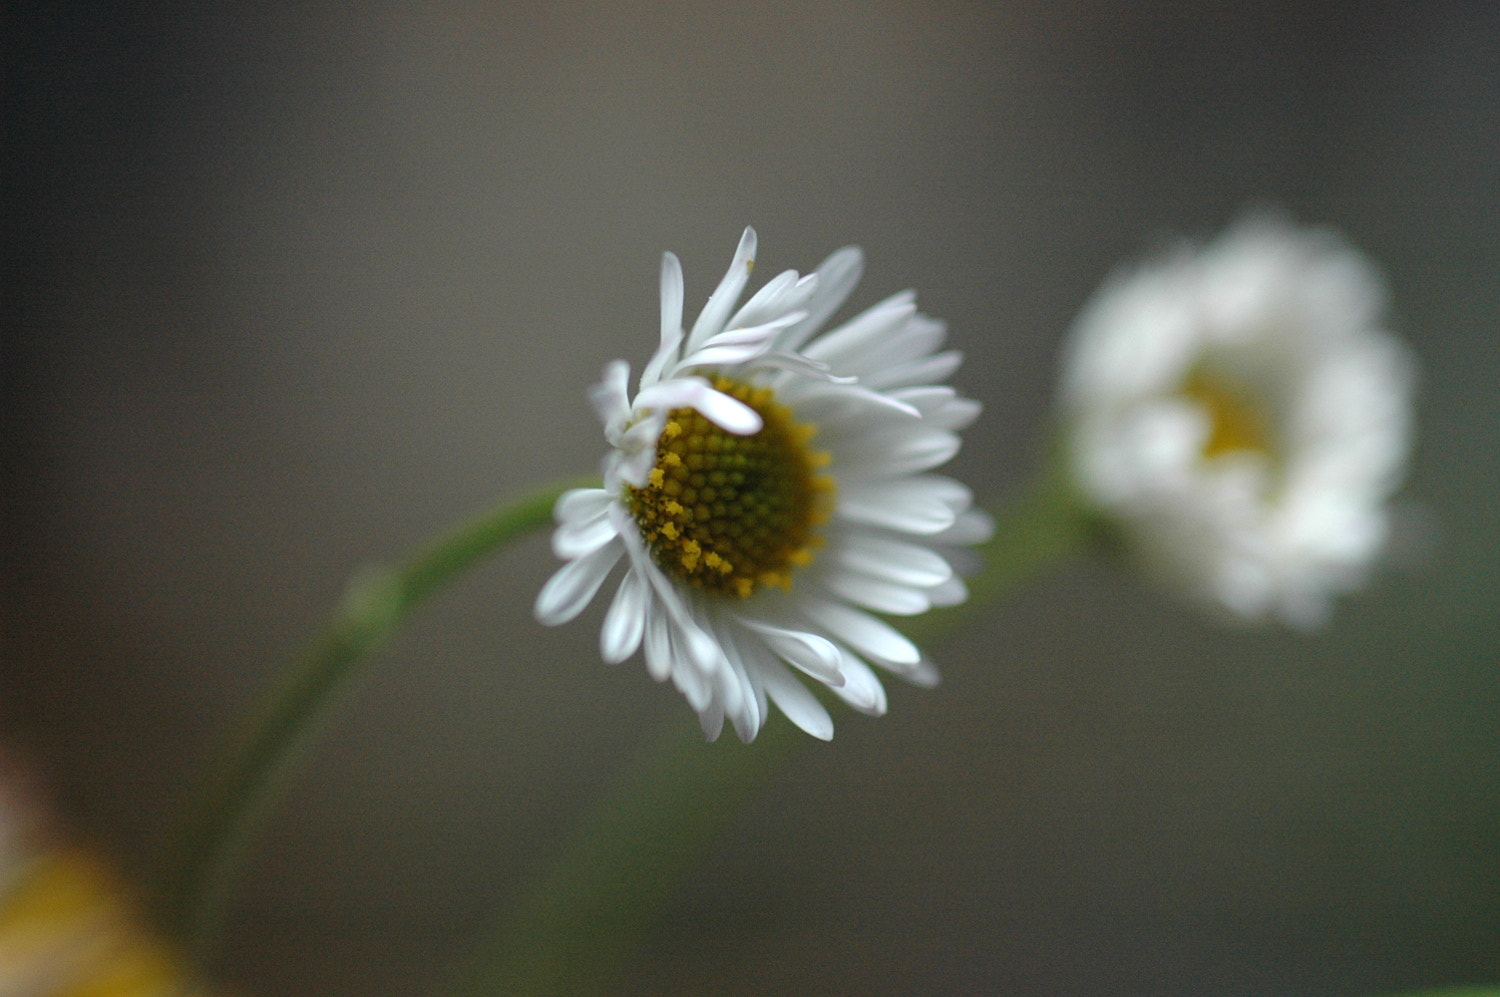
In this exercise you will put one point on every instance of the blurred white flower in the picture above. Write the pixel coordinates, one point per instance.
(1240, 413)
(765, 489)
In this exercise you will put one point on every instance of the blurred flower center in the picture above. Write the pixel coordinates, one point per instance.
(733, 514)
(1236, 420)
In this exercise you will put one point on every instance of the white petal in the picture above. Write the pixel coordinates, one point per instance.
(636, 450)
(957, 414)
(742, 709)
(837, 277)
(729, 414)
(952, 592)
(721, 302)
(827, 405)
(705, 677)
(900, 450)
(795, 363)
(864, 336)
(863, 690)
(711, 720)
(892, 560)
(783, 294)
(700, 647)
(873, 593)
(743, 698)
(737, 346)
(940, 406)
(658, 642)
(671, 320)
(692, 683)
(577, 539)
(579, 513)
(625, 623)
(793, 699)
(911, 342)
(671, 297)
(861, 631)
(581, 503)
(742, 335)
(924, 673)
(910, 505)
(929, 370)
(926, 398)
(760, 689)
(675, 392)
(610, 398)
(812, 654)
(973, 526)
(569, 590)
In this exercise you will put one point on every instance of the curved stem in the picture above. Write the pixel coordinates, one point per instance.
(219, 823)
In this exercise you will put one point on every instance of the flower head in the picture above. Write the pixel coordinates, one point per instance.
(1239, 412)
(766, 488)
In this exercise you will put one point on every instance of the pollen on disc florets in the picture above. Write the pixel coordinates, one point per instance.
(734, 514)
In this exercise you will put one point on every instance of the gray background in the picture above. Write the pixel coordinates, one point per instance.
(285, 293)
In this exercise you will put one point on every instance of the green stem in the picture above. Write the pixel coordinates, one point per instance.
(587, 914)
(220, 822)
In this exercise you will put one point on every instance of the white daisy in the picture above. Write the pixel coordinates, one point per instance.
(1241, 414)
(767, 489)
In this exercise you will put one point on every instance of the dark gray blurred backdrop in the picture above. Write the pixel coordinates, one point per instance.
(286, 292)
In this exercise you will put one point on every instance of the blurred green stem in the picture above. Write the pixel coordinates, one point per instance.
(219, 823)
(586, 915)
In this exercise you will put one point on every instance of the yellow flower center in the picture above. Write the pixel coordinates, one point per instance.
(733, 514)
(1236, 420)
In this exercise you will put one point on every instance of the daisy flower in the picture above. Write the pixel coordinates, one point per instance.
(1242, 416)
(766, 489)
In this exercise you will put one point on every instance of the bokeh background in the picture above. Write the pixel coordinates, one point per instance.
(290, 291)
